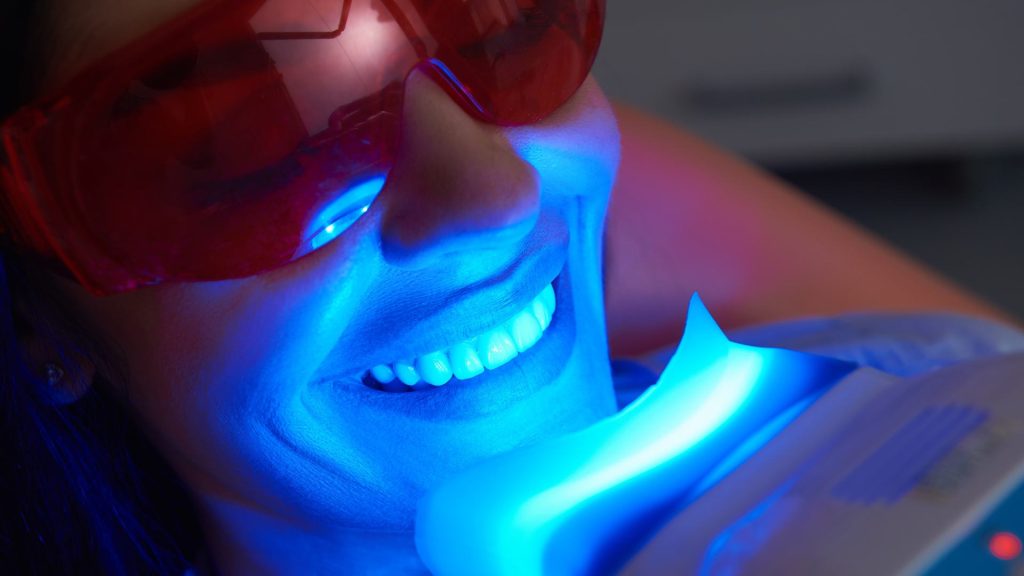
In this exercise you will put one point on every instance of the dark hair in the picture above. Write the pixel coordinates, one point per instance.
(82, 490)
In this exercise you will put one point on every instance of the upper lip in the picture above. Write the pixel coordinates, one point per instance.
(499, 298)
(419, 326)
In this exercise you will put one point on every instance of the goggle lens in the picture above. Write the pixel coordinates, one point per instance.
(245, 134)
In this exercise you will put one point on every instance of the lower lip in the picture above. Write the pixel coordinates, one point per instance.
(494, 390)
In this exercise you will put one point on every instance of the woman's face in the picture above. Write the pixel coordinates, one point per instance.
(253, 387)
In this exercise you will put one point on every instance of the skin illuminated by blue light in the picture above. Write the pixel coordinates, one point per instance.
(585, 502)
(337, 216)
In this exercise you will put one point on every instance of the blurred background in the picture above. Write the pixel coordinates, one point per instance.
(906, 115)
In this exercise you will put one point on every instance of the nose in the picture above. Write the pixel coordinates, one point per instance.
(456, 184)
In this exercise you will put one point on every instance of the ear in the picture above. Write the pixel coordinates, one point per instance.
(65, 374)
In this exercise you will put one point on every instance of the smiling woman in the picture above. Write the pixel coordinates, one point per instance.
(275, 268)
(309, 353)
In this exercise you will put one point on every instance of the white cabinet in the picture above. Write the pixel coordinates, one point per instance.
(785, 81)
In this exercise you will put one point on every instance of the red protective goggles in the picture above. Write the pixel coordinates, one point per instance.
(246, 133)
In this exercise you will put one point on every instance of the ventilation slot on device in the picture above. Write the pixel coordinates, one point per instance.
(895, 468)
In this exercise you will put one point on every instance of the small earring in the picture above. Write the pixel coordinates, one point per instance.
(54, 373)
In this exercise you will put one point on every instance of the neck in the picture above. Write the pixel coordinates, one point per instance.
(245, 541)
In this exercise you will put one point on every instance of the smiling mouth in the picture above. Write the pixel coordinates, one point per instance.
(472, 357)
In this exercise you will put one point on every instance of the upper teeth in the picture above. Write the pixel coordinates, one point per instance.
(471, 357)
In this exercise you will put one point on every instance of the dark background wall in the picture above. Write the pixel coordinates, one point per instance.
(907, 115)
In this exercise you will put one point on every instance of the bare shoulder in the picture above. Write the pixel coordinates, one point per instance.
(686, 216)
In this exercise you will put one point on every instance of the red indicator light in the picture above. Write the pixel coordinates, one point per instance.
(1004, 545)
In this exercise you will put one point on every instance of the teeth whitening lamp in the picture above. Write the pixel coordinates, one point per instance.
(746, 460)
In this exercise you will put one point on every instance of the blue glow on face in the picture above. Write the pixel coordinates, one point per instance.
(341, 213)
(585, 502)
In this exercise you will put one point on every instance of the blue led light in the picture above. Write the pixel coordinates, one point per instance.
(342, 212)
(585, 502)
(750, 446)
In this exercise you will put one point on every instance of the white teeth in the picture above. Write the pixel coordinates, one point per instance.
(547, 296)
(525, 330)
(465, 361)
(383, 373)
(471, 357)
(434, 368)
(540, 313)
(496, 348)
(406, 373)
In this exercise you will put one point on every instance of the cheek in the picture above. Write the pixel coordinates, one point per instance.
(207, 359)
(576, 150)
(280, 327)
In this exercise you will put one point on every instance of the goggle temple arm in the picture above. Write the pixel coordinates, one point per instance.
(19, 215)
